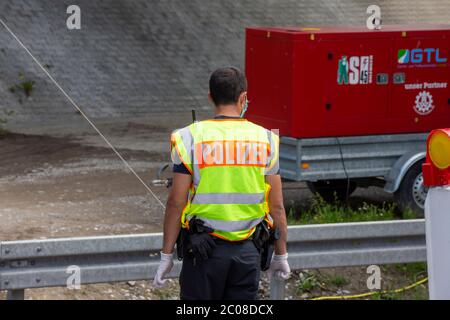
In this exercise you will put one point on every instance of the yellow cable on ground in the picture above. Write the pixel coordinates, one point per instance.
(368, 294)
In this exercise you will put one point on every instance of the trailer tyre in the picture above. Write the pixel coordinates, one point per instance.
(328, 188)
(412, 192)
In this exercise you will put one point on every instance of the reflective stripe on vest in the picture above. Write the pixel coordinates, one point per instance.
(228, 161)
(181, 142)
(228, 198)
(272, 163)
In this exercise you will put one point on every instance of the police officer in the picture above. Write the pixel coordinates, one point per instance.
(226, 182)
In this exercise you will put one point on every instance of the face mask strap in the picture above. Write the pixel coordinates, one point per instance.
(244, 109)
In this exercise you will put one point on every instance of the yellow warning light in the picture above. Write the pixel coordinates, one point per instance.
(439, 148)
(305, 165)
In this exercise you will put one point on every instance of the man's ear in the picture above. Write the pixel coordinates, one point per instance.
(242, 97)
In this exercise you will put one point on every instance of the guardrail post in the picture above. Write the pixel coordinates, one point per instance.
(18, 294)
(277, 288)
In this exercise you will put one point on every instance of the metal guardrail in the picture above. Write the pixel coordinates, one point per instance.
(44, 263)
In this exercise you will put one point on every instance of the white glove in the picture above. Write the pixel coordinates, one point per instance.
(164, 268)
(279, 267)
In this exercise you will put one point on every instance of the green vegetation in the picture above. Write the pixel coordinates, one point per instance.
(332, 282)
(386, 296)
(415, 271)
(398, 292)
(339, 281)
(398, 283)
(420, 293)
(25, 85)
(321, 211)
(307, 283)
(163, 293)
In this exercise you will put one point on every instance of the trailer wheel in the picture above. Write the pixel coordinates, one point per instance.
(327, 189)
(412, 192)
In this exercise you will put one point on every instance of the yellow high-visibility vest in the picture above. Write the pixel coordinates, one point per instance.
(228, 160)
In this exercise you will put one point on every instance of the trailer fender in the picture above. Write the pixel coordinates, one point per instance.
(400, 168)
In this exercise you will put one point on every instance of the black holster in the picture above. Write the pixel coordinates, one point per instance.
(196, 242)
(264, 239)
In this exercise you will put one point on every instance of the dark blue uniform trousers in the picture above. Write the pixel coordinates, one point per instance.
(232, 272)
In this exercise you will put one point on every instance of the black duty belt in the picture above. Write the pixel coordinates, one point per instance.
(219, 240)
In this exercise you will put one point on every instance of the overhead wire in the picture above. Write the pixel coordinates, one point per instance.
(82, 113)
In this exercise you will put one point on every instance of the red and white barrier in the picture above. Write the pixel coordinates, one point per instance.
(436, 172)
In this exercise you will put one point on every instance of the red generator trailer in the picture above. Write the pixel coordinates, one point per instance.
(353, 106)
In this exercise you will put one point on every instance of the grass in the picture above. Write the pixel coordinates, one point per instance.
(414, 269)
(313, 283)
(411, 273)
(342, 281)
(321, 211)
(307, 283)
(420, 294)
(163, 293)
(339, 281)
(386, 296)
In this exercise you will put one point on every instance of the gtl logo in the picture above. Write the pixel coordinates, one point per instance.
(418, 55)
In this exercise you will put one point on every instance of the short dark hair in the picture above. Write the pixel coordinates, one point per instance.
(226, 85)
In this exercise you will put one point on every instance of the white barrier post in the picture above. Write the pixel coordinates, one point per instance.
(437, 226)
(436, 172)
